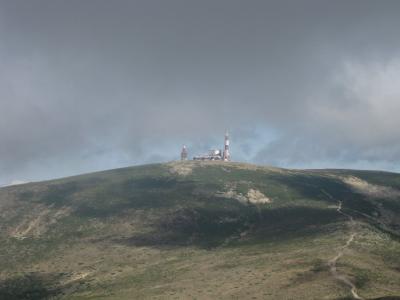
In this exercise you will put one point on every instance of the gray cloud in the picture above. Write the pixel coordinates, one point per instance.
(88, 85)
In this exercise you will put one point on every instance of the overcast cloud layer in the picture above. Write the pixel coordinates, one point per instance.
(97, 84)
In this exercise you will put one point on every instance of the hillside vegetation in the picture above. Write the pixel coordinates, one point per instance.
(202, 230)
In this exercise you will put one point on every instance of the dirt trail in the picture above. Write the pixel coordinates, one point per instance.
(333, 261)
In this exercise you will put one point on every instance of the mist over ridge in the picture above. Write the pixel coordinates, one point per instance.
(94, 85)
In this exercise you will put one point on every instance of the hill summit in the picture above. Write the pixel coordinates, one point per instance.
(202, 230)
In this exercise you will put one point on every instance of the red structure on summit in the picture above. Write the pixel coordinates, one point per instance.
(184, 153)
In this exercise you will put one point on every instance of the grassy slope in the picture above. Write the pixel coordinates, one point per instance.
(148, 231)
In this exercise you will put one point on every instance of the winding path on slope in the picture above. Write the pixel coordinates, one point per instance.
(332, 263)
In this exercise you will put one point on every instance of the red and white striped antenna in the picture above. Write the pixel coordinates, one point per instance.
(226, 154)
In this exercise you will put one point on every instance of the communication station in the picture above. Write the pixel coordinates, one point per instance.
(213, 154)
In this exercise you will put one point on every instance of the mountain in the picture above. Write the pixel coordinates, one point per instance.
(203, 230)
(14, 182)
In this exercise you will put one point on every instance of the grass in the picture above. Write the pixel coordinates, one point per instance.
(148, 232)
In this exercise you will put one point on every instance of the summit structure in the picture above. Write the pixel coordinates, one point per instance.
(213, 154)
(184, 153)
(226, 156)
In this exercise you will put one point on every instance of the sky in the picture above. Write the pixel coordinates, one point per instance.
(97, 84)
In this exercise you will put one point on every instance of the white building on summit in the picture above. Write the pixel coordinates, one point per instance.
(213, 154)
